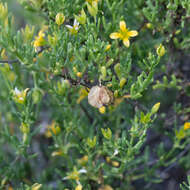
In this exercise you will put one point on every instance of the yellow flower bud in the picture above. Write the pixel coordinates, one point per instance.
(115, 163)
(186, 126)
(59, 19)
(108, 160)
(53, 128)
(155, 108)
(149, 25)
(102, 110)
(122, 82)
(160, 50)
(108, 47)
(79, 74)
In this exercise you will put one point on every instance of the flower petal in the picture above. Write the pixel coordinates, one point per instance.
(126, 42)
(132, 33)
(69, 26)
(122, 25)
(115, 35)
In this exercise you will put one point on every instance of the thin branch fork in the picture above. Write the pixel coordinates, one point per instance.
(9, 61)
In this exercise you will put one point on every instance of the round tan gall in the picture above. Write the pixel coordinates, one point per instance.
(100, 96)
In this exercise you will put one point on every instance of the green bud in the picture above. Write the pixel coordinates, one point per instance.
(62, 86)
(91, 142)
(59, 19)
(107, 133)
(93, 9)
(161, 50)
(116, 93)
(117, 70)
(36, 95)
(103, 72)
(81, 18)
(27, 33)
(25, 129)
(122, 82)
(109, 62)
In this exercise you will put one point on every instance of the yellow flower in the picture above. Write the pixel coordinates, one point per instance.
(20, 96)
(73, 29)
(53, 128)
(59, 19)
(78, 187)
(186, 125)
(75, 174)
(102, 110)
(39, 40)
(124, 34)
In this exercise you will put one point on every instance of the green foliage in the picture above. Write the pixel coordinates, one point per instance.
(51, 137)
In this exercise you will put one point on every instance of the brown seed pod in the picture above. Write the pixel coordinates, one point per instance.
(99, 96)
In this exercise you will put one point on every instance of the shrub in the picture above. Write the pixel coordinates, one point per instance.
(94, 94)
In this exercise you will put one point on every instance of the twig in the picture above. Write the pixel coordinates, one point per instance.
(86, 112)
(177, 158)
(75, 82)
(9, 61)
